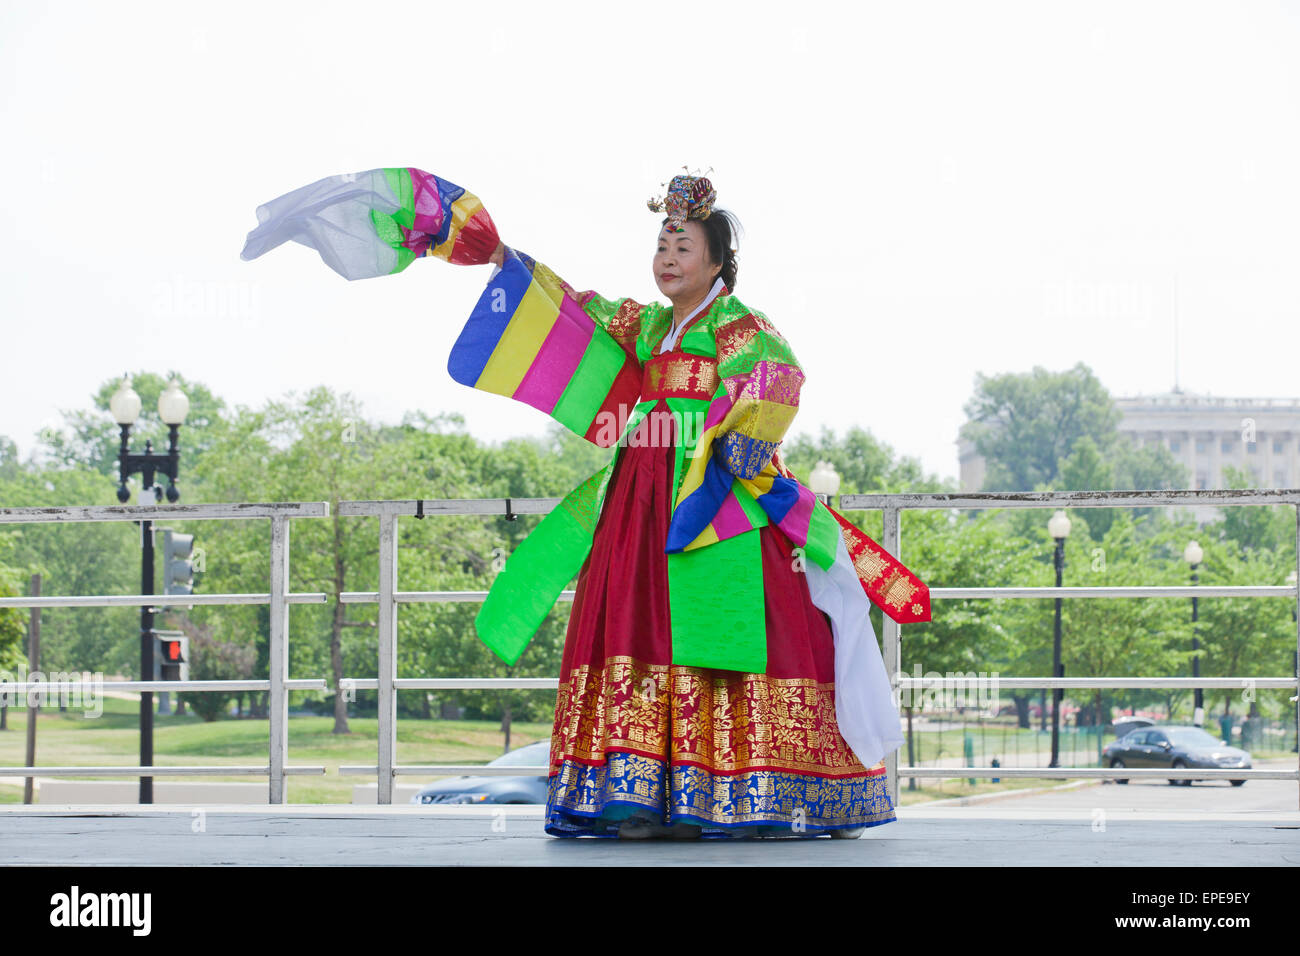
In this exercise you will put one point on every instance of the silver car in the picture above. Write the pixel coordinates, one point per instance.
(1178, 748)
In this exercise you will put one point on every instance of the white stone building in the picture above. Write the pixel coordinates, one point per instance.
(1259, 435)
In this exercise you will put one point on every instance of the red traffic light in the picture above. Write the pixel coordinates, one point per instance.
(172, 650)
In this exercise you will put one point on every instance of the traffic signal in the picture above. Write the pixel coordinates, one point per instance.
(171, 657)
(178, 569)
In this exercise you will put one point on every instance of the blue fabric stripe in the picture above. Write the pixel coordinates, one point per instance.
(745, 457)
(448, 193)
(487, 323)
(591, 801)
(700, 507)
(779, 499)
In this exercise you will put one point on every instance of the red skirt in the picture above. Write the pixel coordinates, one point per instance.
(730, 751)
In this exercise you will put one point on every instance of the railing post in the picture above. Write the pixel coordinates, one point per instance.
(278, 711)
(891, 641)
(387, 655)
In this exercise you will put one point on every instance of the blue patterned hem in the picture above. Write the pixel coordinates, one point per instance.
(593, 801)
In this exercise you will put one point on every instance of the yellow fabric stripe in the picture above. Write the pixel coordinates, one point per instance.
(759, 419)
(522, 340)
(705, 537)
(549, 282)
(694, 476)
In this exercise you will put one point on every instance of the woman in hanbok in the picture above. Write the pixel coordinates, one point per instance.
(720, 675)
(645, 743)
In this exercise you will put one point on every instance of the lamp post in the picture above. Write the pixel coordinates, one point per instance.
(1059, 528)
(1295, 662)
(1193, 555)
(173, 406)
(824, 482)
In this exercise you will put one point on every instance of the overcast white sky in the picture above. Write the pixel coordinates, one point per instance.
(928, 190)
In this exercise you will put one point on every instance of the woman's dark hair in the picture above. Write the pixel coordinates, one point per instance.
(721, 227)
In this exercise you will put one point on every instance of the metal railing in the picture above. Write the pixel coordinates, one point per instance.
(892, 506)
(389, 598)
(278, 597)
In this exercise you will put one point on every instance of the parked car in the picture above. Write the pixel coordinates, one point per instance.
(484, 789)
(1178, 748)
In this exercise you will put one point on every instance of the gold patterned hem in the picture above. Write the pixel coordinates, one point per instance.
(728, 722)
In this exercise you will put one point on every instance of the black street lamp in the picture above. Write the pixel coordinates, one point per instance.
(1295, 665)
(1193, 555)
(1059, 528)
(173, 406)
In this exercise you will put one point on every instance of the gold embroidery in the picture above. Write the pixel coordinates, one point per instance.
(760, 796)
(897, 590)
(869, 564)
(581, 502)
(677, 376)
(654, 375)
(782, 384)
(727, 721)
(673, 374)
(732, 344)
(736, 335)
(625, 325)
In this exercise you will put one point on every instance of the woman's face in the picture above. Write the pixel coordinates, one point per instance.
(683, 271)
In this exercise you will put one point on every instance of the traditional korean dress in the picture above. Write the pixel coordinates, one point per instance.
(720, 667)
(699, 675)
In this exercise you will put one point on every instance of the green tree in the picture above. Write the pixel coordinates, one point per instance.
(77, 558)
(1255, 527)
(1025, 424)
(322, 448)
(13, 632)
(10, 466)
(213, 659)
(865, 464)
(1245, 637)
(969, 636)
(1113, 637)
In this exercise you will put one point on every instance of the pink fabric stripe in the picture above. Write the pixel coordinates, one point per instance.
(796, 520)
(731, 518)
(717, 411)
(428, 206)
(557, 359)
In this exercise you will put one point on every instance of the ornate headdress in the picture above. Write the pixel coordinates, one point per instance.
(688, 197)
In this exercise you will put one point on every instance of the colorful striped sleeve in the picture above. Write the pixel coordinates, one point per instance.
(763, 381)
(532, 338)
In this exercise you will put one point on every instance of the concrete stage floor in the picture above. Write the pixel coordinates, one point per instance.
(296, 834)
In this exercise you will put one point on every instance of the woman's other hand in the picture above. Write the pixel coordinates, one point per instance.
(498, 257)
